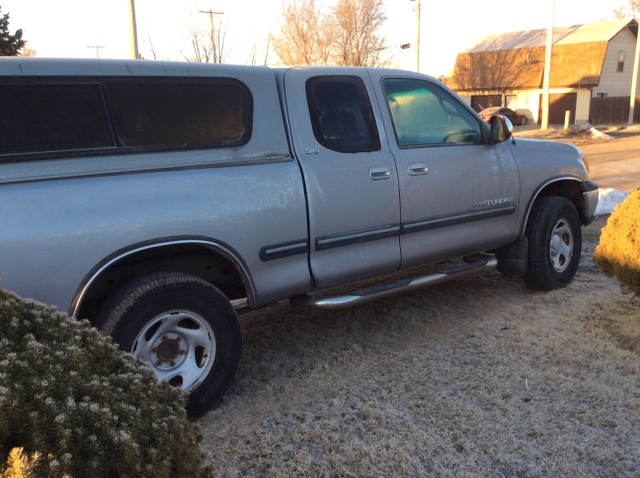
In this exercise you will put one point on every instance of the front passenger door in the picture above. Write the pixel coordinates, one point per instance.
(458, 193)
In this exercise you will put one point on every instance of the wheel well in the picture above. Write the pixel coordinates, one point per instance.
(567, 189)
(214, 266)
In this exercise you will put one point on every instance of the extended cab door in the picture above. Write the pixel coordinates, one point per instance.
(458, 194)
(349, 174)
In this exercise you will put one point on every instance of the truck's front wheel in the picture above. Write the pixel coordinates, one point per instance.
(183, 327)
(555, 243)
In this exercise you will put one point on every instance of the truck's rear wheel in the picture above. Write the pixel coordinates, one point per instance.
(183, 327)
(555, 244)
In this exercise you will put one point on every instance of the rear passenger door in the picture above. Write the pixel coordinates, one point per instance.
(349, 174)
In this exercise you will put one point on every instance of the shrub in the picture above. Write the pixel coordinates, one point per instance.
(80, 407)
(618, 252)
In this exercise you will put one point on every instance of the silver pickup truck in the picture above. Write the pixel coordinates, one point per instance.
(152, 197)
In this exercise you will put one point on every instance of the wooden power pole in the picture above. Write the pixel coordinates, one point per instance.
(544, 124)
(211, 13)
(417, 37)
(133, 31)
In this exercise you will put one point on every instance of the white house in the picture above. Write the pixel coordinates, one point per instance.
(591, 65)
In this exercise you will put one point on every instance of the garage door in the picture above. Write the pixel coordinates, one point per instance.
(558, 104)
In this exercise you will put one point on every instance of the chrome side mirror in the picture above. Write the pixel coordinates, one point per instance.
(501, 129)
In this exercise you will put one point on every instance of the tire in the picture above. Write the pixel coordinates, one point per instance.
(555, 242)
(183, 327)
(523, 120)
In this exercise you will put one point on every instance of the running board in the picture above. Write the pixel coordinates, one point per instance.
(478, 263)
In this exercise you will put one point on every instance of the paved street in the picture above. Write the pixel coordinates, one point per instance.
(615, 163)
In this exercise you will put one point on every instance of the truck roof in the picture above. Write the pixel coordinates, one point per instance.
(23, 66)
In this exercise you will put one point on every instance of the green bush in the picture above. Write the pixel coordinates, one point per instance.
(80, 407)
(618, 252)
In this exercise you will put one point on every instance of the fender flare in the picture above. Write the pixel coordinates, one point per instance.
(218, 246)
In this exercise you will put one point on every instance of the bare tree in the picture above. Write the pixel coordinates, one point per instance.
(219, 25)
(358, 40)
(348, 35)
(208, 42)
(498, 70)
(26, 51)
(257, 53)
(147, 43)
(629, 9)
(306, 35)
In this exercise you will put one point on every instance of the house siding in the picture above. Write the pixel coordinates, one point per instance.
(613, 83)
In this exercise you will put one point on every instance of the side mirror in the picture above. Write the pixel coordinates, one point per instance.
(501, 129)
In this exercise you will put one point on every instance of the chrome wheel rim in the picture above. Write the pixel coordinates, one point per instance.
(179, 346)
(561, 245)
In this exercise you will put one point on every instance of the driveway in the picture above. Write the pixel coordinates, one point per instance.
(615, 163)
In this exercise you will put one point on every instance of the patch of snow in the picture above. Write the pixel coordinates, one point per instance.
(599, 134)
(608, 199)
(594, 133)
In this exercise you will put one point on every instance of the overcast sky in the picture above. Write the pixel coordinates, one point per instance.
(71, 28)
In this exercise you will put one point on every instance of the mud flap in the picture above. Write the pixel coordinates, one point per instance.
(512, 259)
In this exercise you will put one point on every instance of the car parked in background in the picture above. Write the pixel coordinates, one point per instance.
(515, 117)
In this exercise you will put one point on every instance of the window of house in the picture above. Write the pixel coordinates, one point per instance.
(425, 114)
(178, 113)
(38, 118)
(341, 114)
(620, 67)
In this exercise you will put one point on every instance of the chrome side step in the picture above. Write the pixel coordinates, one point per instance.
(479, 263)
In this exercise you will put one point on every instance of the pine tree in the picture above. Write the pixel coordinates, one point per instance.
(10, 45)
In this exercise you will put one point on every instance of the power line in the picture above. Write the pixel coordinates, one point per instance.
(96, 48)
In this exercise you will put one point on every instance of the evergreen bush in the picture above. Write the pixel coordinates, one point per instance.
(82, 408)
(618, 252)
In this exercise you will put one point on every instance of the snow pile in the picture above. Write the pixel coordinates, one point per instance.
(593, 132)
(608, 199)
(599, 134)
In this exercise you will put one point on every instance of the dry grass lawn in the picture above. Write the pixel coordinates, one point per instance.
(478, 377)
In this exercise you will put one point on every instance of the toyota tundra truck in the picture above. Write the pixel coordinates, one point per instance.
(157, 199)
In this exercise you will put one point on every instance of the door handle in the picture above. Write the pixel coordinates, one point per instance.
(418, 169)
(379, 173)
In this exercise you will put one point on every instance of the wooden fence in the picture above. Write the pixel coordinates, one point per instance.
(613, 110)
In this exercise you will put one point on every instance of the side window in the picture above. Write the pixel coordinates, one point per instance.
(37, 118)
(424, 114)
(620, 64)
(153, 113)
(341, 114)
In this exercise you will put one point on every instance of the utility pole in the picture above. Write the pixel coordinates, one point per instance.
(133, 31)
(96, 48)
(634, 79)
(211, 13)
(544, 124)
(417, 37)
